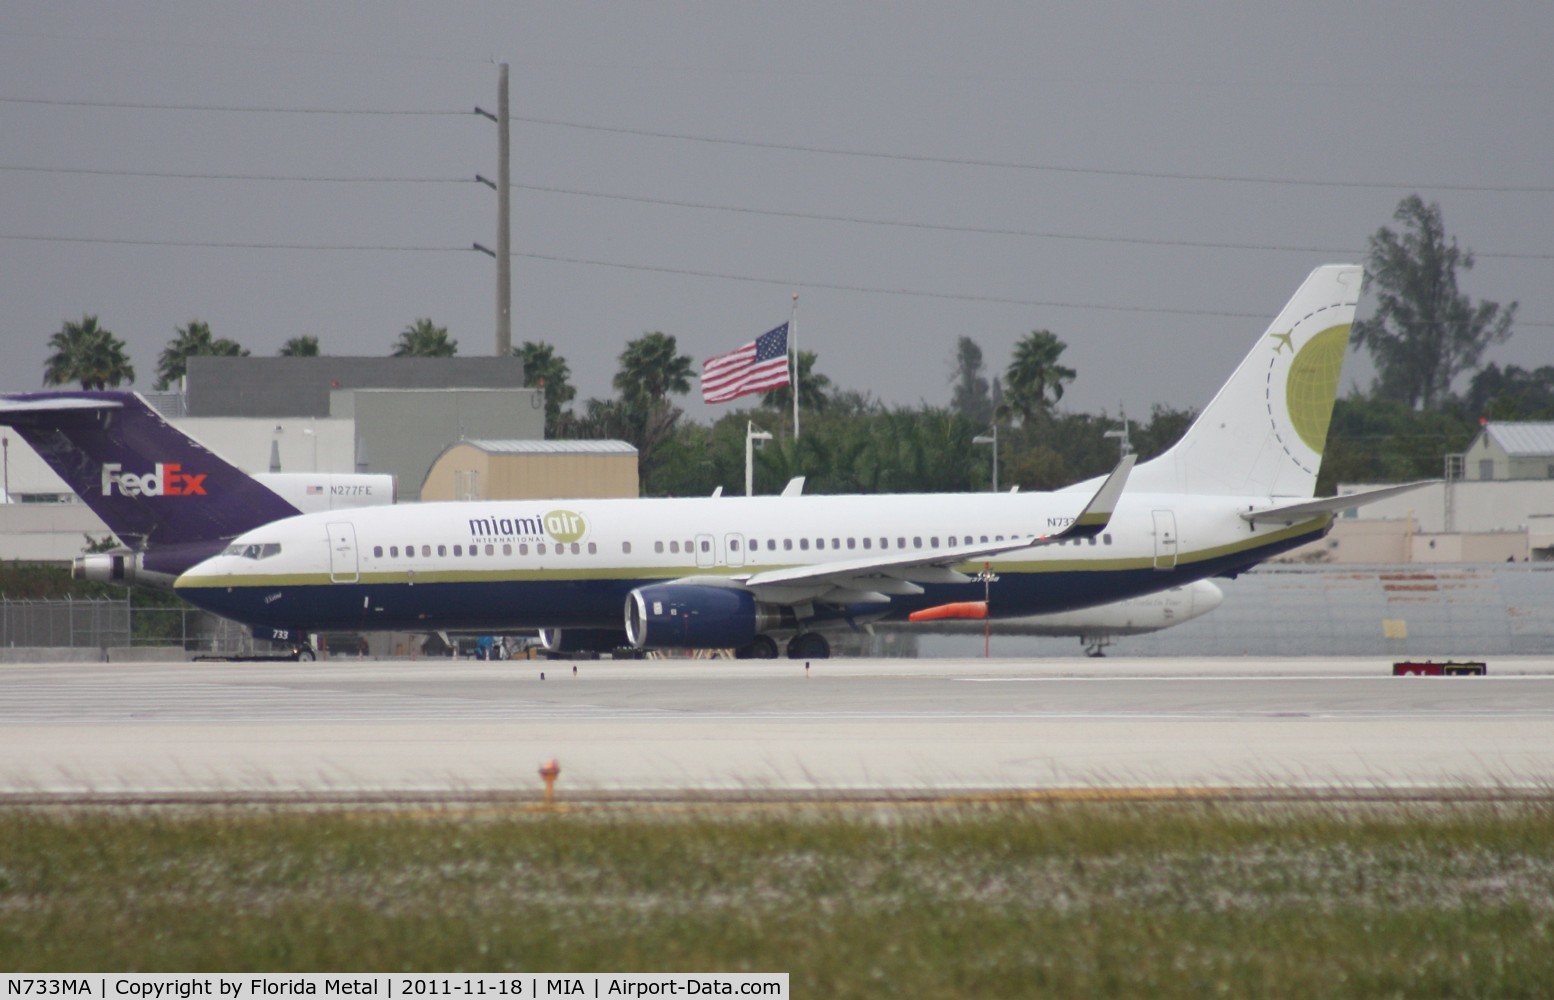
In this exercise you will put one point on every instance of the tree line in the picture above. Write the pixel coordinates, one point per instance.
(1425, 336)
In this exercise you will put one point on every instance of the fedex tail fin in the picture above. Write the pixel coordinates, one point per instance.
(1263, 433)
(153, 485)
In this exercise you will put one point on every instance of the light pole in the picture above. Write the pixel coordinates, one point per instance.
(991, 439)
(751, 437)
(1124, 446)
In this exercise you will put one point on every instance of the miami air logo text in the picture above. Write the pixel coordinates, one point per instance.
(559, 525)
(167, 479)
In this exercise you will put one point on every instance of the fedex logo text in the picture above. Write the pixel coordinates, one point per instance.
(166, 480)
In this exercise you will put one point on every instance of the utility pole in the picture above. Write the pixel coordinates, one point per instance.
(504, 247)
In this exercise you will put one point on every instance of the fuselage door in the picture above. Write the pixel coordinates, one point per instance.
(1165, 539)
(706, 551)
(734, 549)
(342, 553)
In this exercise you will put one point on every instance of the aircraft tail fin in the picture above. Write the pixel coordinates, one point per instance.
(1264, 432)
(149, 482)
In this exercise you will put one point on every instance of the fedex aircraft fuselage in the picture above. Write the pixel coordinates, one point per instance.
(739, 572)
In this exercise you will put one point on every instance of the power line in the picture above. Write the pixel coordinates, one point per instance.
(229, 108)
(206, 176)
(220, 245)
(984, 230)
(1044, 167)
(738, 209)
(683, 272)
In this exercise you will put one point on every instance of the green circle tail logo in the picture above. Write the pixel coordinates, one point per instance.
(565, 525)
(1312, 384)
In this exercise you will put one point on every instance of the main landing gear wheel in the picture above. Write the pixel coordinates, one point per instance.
(809, 646)
(762, 647)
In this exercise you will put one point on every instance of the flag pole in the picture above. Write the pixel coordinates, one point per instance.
(793, 337)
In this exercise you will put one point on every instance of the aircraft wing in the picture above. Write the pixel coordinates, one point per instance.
(872, 579)
(1291, 513)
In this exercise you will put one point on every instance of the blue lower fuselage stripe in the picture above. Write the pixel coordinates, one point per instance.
(600, 603)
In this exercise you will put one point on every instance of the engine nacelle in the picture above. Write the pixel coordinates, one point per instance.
(107, 567)
(582, 640)
(156, 567)
(696, 616)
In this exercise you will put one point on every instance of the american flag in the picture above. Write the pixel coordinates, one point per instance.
(758, 366)
(314, 491)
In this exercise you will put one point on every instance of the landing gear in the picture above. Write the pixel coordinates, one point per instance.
(809, 646)
(1095, 648)
(762, 647)
(303, 654)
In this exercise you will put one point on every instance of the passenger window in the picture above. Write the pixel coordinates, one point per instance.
(733, 545)
(625, 548)
(851, 544)
(539, 548)
(577, 550)
(593, 549)
(836, 543)
(674, 547)
(934, 541)
(458, 550)
(442, 550)
(804, 544)
(394, 551)
(900, 543)
(426, 550)
(771, 545)
(820, 543)
(658, 547)
(787, 545)
(490, 549)
(507, 550)
(1092, 539)
(523, 548)
(706, 546)
(1107, 539)
(377, 552)
(867, 541)
(984, 539)
(917, 541)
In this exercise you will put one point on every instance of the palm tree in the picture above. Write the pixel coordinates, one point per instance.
(305, 346)
(544, 369)
(1035, 375)
(425, 339)
(189, 341)
(87, 353)
(814, 390)
(652, 369)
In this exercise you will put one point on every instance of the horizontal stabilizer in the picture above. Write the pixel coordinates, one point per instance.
(1328, 505)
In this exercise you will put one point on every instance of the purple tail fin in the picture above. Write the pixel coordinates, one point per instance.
(151, 484)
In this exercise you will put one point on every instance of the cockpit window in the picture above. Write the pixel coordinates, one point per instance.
(253, 550)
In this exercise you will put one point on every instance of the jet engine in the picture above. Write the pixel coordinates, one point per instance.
(582, 640)
(699, 616)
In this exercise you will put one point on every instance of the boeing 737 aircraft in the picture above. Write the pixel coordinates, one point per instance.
(747, 572)
(170, 500)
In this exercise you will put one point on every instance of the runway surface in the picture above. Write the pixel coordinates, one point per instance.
(840, 726)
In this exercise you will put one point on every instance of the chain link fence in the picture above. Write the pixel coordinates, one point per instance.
(105, 623)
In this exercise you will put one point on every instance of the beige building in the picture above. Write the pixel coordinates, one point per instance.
(532, 470)
(1510, 450)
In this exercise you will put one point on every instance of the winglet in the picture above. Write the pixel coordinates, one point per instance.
(1098, 512)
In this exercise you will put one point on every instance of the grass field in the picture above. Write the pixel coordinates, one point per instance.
(1011, 899)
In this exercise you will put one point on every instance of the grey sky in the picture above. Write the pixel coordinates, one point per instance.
(1156, 114)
